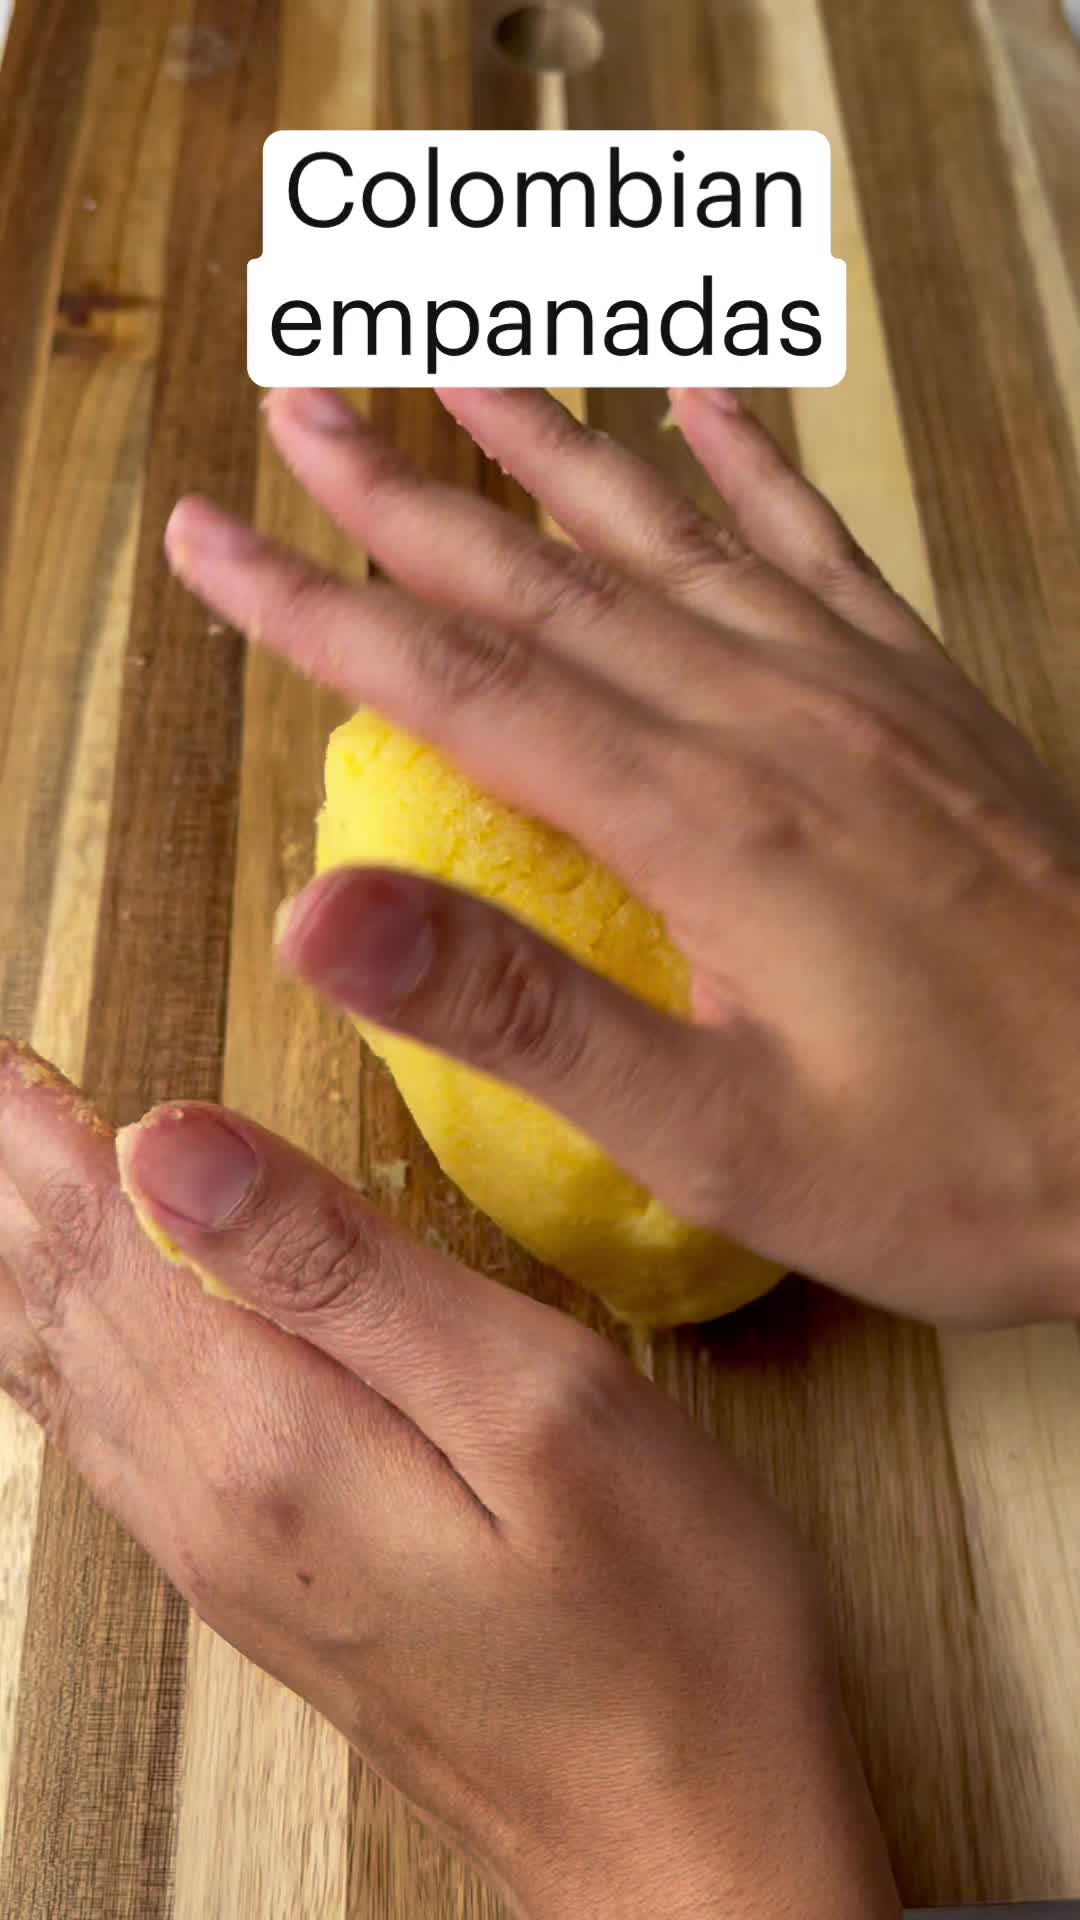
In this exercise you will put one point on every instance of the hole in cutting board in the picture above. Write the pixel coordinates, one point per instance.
(550, 39)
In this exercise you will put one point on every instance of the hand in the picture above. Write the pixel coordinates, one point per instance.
(502, 1564)
(872, 876)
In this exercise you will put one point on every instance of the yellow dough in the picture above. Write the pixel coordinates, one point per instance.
(392, 801)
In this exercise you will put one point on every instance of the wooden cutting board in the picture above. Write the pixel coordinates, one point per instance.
(157, 787)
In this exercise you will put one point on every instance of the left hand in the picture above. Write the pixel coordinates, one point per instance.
(508, 1569)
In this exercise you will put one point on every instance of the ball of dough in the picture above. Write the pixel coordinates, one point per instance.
(391, 801)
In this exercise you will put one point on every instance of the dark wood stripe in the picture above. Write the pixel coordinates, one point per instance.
(43, 85)
(44, 78)
(840, 1414)
(103, 1673)
(53, 660)
(504, 93)
(995, 472)
(1045, 65)
(694, 67)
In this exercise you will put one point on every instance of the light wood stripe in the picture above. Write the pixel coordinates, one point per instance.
(68, 591)
(1014, 1399)
(1033, 106)
(264, 1801)
(1008, 614)
(968, 340)
(850, 438)
(1044, 60)
(103, 1665)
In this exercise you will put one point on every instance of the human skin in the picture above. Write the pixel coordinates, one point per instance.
(530, 1592)
(509, 1570)
(873, 877)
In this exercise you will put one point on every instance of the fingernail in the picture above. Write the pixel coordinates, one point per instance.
(724, 399)
(366, 939)
(322, 410)
(191, 1163)
(198, 527)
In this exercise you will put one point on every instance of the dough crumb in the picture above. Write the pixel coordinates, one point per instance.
(391, 1174)
(33, 1071)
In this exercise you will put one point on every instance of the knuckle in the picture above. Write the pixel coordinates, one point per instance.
(44, 1282)
(710, 1193)
(76, 1214)
(461, 661)
(255, 1464)
(302, 598)
(200, 1571)
(757, 811)
(30, 1379)
(556, 431)
(313, 1262)
(839, 566)
(694, 549)
(553, 582)
(516, 1018)
(576, 1406)
(725, 1188)
(859, 729)
(251, 1470)
(385, 479)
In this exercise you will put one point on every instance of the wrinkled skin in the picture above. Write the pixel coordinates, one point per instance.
(873, 877)
(502, 1564)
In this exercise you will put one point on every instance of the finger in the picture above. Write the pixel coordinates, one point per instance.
(105, 1307)
(456, 550)
(136, 1363)
(95, 1436)
(32, 1373)
(669, 1102)
(68, 1249)
(534, 729)
(56, 1151)
(788, 522)
(619, 507)
(447, 1348)
(27, 1374)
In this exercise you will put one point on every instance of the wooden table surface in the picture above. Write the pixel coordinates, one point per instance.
(157, 787)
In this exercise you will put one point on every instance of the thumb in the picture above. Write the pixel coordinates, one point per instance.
(678, 1107)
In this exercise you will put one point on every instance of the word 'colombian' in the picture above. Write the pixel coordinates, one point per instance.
(477, 199)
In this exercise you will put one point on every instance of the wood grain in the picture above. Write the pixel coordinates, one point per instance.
(158, 788)
(109, 1783)
(72, 513)
(264, 1813)
(968, 339)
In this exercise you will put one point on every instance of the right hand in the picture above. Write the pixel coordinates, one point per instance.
(875, 881)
